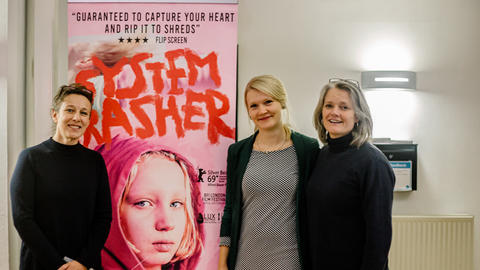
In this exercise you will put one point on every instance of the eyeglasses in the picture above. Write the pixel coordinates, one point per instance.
(348, 81)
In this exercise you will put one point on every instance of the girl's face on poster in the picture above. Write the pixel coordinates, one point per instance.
(153, 212)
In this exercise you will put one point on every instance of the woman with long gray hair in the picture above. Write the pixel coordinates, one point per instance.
(349, 194)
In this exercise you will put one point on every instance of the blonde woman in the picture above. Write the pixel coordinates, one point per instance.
(265, 174)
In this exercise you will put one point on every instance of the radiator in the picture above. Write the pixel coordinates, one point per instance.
(432, 243)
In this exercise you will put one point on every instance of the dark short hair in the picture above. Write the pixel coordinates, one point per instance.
(66, 90)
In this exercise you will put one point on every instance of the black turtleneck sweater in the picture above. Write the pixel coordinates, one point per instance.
(349, 207)
(60, 205)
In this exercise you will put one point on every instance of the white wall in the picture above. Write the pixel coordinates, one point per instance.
(3, 137)
(40, 73)
(16, 112)
(306, 42)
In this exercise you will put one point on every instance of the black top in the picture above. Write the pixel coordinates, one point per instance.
(349, 207)
(61, 205)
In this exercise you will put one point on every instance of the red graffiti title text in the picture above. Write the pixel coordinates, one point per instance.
(214, 103)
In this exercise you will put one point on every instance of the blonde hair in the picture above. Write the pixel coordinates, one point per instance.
(272, 86)
(191, 242)
(362, 130)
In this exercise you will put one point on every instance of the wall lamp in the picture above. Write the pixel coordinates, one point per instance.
(389, 79)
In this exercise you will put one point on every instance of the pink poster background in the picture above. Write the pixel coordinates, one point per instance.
(155, 63)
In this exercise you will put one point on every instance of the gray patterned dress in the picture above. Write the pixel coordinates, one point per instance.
(268, 232)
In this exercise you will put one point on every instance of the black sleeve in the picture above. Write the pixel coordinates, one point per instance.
(312, 158)
(226, 226)
(377, 211)
(101, 221)
(22, 194)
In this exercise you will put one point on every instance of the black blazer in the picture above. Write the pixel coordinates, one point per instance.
(238, 157)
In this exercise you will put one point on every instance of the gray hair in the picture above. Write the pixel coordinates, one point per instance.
(362, 131)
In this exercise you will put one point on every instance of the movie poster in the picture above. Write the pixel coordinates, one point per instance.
(164, 83)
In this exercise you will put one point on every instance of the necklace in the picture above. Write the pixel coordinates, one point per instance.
(267, 148)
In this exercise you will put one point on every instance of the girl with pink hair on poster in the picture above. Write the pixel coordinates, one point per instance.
(156, 201)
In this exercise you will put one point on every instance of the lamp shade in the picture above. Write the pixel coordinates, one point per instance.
(389, 79)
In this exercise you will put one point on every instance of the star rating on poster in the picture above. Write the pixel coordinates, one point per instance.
(132, 40)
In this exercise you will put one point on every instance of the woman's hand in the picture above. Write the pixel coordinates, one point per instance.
(63, 267)
(73, 265)
(222, 262)
(222, 266)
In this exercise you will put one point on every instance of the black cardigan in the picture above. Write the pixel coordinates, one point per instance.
(349, 207)
(238, 157)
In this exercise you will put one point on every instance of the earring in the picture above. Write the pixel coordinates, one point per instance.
(356, 125)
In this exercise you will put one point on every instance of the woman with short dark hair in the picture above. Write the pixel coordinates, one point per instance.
(60, 193)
